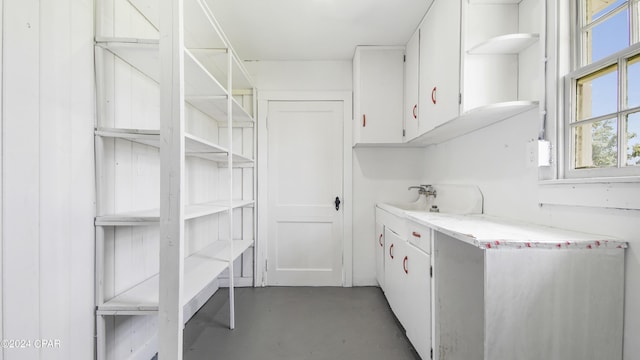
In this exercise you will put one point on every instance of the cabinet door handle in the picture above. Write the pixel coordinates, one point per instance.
(404, 264)
(364, 120)
(380, 241)
(433, 94)
(391, 251)
(416, 234)
(415, 114)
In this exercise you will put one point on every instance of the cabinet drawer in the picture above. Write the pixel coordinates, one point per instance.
(393, 222)
(420, 236)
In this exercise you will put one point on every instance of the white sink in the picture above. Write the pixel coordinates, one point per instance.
(450, 199)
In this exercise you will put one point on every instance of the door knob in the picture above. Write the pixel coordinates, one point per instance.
(337, 202)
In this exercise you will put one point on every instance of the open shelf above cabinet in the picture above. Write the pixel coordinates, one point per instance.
(193, 145)
(202, 89)
(152, 216)
(200, 269)
(474, 120)
(504, 44)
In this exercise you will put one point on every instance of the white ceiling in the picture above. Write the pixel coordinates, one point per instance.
(315, 29)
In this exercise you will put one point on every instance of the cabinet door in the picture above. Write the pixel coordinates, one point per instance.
(379, 245)
(440, 64)
(417, 289)
(411, 74)
(393, 273)
(378, 82)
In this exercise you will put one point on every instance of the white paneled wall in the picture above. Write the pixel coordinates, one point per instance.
(48, 185)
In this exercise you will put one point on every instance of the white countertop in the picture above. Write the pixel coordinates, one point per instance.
(487, 232)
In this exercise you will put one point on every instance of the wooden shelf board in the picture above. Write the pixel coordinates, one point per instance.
(496, 2)
(200, 30)
(200, 269)
(505, 44)
(130, 218)
(143, 54)
(216, 108)
(474, 120)
(386, 145)
(152, 216)
(194, 146)
(202, 34)
(145, 137)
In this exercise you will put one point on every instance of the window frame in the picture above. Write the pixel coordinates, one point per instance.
(579, 71)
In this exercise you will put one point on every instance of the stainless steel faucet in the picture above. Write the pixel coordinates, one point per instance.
(427, 190)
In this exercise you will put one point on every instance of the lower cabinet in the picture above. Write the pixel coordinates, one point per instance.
(408, 289)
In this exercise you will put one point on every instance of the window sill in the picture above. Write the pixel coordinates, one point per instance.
(613, 193)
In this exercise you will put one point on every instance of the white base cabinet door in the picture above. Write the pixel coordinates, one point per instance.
(393, 274)
(417, 295)
(379, 245)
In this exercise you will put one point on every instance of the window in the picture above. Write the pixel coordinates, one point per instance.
(603, 131)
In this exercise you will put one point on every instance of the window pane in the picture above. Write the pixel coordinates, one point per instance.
(597, 93)
(595, 9)
(633, 82)
(596, 144)
(606, 38)
(633, 139)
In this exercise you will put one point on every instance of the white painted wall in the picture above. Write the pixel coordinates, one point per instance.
(301, 75)
(379, 175)
(48, 186)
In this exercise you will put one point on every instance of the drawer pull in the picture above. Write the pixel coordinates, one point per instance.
(380, 240)
(404, 264)
(391, 251)
(416, 234)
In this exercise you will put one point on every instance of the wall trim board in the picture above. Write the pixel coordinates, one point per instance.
(262, 207)
(600, 193)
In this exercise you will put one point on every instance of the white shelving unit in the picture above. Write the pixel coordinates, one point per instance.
(218, 143)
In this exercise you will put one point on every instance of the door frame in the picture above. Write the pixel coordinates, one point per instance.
(262, 233)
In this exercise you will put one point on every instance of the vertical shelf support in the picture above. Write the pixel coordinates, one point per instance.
(172, 166)
(232, 315)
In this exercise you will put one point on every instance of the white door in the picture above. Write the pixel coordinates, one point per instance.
(305, 141)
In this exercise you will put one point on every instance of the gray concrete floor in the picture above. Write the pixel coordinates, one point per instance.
(298, 323)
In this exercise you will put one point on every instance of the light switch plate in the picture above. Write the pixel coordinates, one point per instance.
(538, 153)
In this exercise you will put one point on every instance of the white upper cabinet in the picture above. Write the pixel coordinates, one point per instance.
(439, 64)
(411, 74)
(480, 62)
(378, 87)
